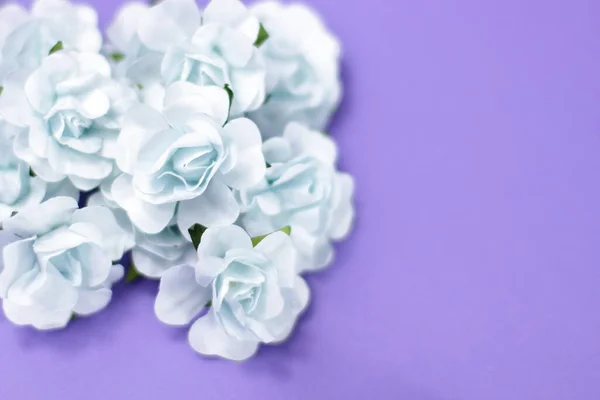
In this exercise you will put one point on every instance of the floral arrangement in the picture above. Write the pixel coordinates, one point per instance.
(192, 139)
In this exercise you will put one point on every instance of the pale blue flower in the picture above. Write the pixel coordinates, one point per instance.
(72, 110)
(58, 262)
(26, 38)
(301, 189)
(303, 63)
(255, 293)
(185, 159)
(174, 41)
(18, 189)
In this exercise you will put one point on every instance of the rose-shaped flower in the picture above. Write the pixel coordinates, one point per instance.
(301, 189)
(58, 263)
(73, 111)
(171, 42)
(254, 292)
(186, 159)
(26, 38)
(302, 56)
(18, 189)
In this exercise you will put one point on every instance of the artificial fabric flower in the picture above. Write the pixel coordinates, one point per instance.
(59, 262)
(255, 293)
(174, 41)
(301, 189)
(303, 63)
(72, 110)
(27, 37)
(185, 160)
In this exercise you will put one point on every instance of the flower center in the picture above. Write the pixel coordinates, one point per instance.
(193, 164)
(69, 266)
(68, 124)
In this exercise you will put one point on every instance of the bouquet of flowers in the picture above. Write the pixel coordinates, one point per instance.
(191, 139)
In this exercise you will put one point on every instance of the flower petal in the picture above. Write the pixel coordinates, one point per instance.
(168, 23)
(215, 207)
(245, 143)
(140, 124)
(180, 298)
(309, 142)
(41, 218)
(14, 106)
(208, 337)
(115, 239)
(280, 250)
(212, 100)
(18, 259)
(150, 218)
(217, 241)
(297, 299)
(37, 316)
(93, 300)
(343, 215)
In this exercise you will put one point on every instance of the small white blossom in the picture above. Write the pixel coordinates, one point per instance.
(303, 68)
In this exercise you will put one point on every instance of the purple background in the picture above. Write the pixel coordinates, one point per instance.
(473, 130)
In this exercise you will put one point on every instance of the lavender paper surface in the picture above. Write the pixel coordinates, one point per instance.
(473, 130)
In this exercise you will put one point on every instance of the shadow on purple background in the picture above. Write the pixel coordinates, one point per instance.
(473, 130)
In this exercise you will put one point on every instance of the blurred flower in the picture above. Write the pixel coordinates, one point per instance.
(303, 62)
(301, 189)
(26, 38)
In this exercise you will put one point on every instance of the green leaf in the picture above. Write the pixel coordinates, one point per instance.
(139, 86)
(31, 173)
(263, 35)
(256, 240)
(267, 98)
(196, 232)
(57, 47)
(116, 56)
(1, 89)
(132, 274)
(229, 93)
(209, 304)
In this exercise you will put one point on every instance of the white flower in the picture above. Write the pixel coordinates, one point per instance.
(58, 262)
(254, 292)
(26, 38)
(72, 109)
(186, 159)
(303, 62)
(301, 189)
(172, 42)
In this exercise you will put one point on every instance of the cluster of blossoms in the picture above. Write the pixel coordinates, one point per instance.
(190, 138)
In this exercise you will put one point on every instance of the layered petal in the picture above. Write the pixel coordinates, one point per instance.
(180, 298)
